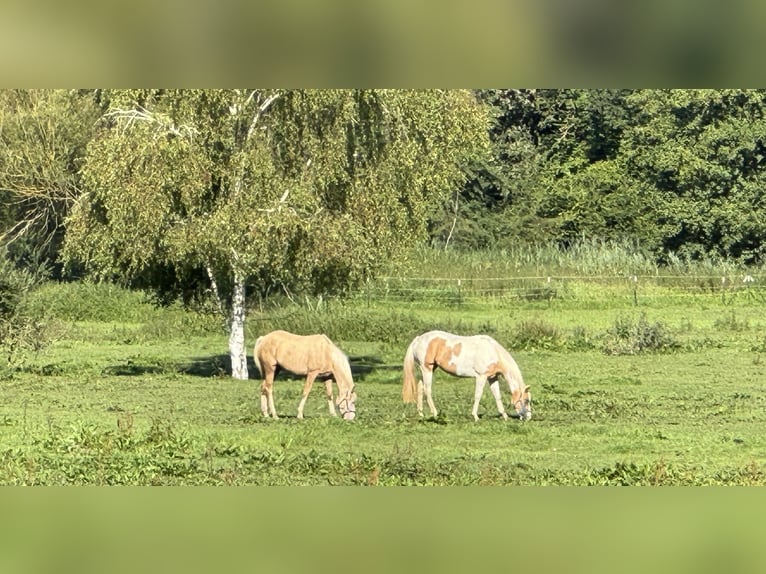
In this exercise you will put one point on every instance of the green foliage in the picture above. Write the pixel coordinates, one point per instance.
(703, 150)
(20, 330)
(340, 322)
(179, 181)
(731, 323)
(536, 334)
(118, 399)
(86, 301)
(305, 191)
(629, 337)
(678, 172)
(43, 135)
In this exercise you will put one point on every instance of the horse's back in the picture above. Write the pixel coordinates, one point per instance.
(459, 354)
(297, 353)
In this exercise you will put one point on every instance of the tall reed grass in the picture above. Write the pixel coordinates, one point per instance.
(588, 257)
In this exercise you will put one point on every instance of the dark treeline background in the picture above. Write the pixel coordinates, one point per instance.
(671, 172)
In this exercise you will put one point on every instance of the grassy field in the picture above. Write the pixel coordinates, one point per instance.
(657, 385)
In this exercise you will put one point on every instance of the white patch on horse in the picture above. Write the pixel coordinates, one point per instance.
(455, 356)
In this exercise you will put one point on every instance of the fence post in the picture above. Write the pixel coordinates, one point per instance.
(635, 290)
(550, 292)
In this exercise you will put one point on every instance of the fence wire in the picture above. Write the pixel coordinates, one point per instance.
(566, 287)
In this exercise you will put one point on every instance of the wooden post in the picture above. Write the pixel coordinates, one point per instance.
(635, 290)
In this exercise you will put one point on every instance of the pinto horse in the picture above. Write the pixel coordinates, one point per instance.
(311, 355)
(479, 356)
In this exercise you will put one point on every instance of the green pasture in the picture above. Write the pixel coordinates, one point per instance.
(659, 386)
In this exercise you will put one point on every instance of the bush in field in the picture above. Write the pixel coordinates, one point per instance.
(729, 322)
(89, 302)
(20, 330)
(580, 340)
(14, 283)
(628, 338)
(536, 334)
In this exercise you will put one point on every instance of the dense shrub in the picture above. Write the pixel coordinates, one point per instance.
(626, 337)
(536, 334)
(20, 330)
(88, 302)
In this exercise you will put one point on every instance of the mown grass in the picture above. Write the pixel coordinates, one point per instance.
(667, 390)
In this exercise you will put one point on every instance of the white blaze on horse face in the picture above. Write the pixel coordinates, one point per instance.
(348, 407)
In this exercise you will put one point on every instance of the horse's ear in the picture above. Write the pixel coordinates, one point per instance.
(526, 389)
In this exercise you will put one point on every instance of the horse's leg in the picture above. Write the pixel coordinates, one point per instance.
(306, 390)
(267, 394)
(420, 390)
(264, 400)
(272, 408)
(330, 401)
(480, 382)
(494, 386)
(427, 380)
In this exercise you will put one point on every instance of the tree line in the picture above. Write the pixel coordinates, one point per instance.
(673, 171)
(676, 172)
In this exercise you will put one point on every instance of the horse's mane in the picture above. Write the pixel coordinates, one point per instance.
(342, 366)
(510, 366)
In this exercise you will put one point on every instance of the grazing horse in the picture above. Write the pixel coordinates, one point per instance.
(311, 355)
(479, 356)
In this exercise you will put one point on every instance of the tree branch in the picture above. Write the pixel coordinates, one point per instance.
(214, 287)
(454, 221)
(142, 114)
(261, 109)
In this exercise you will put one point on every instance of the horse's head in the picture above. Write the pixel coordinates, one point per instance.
(522, 403)
(347, 405)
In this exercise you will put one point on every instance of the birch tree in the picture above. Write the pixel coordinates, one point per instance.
(303, 189)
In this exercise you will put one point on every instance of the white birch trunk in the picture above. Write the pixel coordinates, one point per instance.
(237, 349)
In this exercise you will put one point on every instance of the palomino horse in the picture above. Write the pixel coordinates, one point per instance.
(311, 355)
(479, 356)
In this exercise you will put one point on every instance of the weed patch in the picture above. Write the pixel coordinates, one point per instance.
(627, 337)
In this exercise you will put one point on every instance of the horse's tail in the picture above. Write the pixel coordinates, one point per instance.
(256, 350)
(408, 385)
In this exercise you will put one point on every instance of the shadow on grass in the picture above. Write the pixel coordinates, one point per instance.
(220, 366)
(364, 365)
(130, 370)
(206, 367)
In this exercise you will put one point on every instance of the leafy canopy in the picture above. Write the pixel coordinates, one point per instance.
(306, 190)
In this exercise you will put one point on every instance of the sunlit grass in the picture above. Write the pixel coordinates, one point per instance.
(143, 397)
